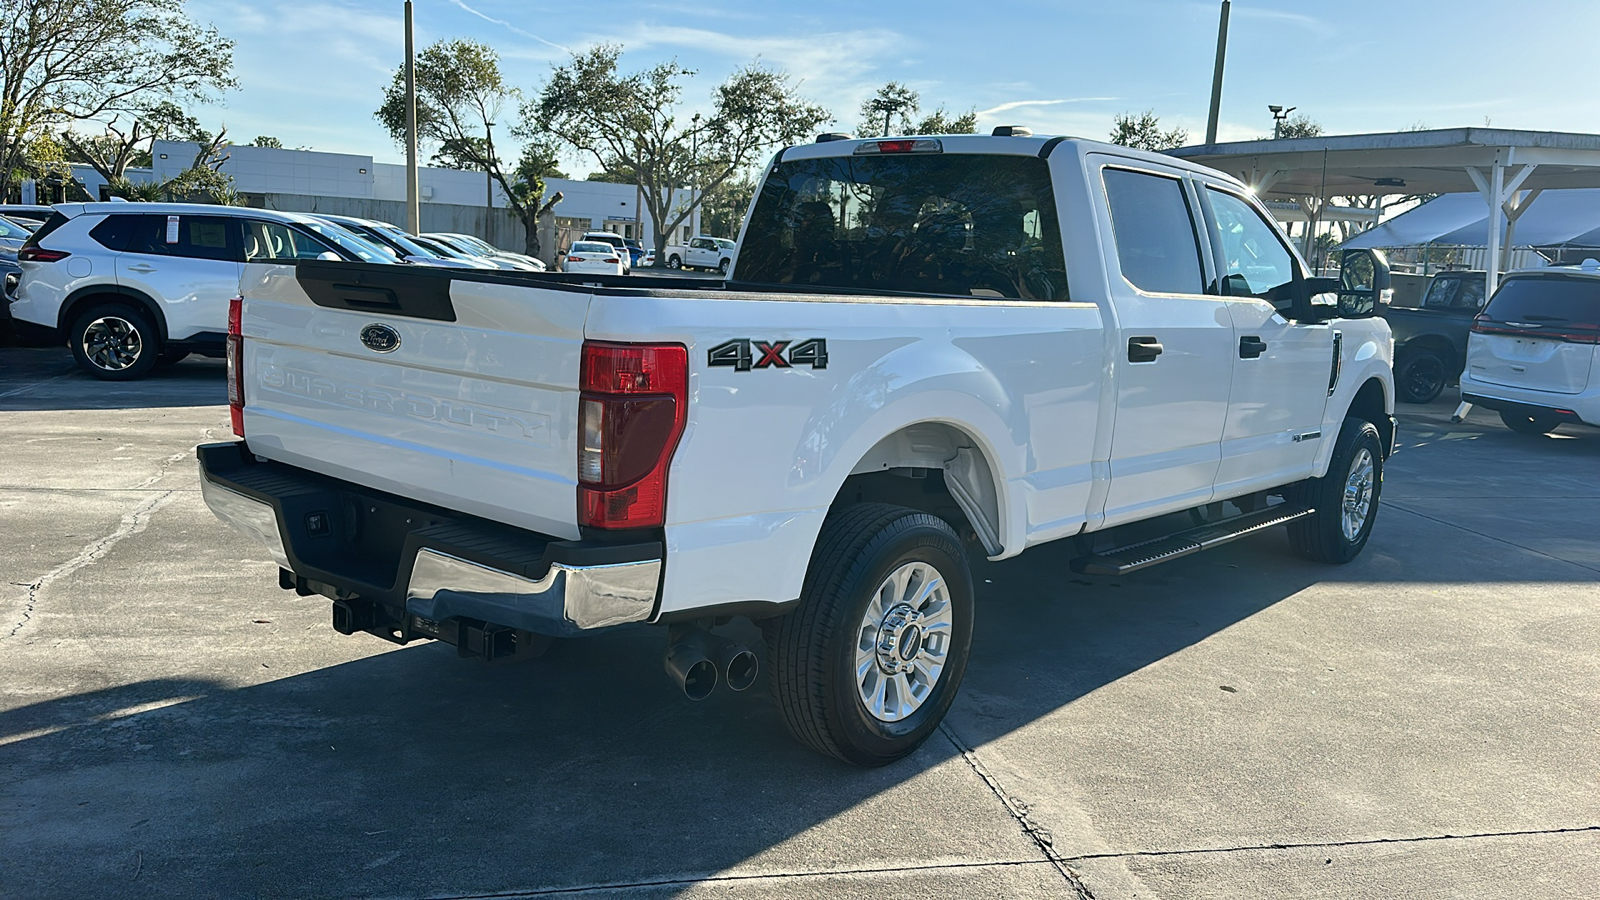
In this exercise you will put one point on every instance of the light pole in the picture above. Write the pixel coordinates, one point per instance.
(413, 202)
(694, 175)
(488, 163)
(1279, 115)
(1216, 76)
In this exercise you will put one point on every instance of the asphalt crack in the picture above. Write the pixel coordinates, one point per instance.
(1041, 837)
(132, 522)
(1323, 845)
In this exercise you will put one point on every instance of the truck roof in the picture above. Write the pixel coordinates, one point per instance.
(1044, 146)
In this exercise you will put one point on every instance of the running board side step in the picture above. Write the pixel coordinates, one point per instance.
(1145, 554)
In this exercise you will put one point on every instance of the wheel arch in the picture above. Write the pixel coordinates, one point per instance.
(938, 466)
(1370, 404)
(84, 297)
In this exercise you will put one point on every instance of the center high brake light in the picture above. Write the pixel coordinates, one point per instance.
(236, 364)
(923, 145)
(632, 409)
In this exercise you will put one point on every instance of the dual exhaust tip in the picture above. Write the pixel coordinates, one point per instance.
(699, 659)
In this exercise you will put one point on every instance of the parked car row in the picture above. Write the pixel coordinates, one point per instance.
(130, 286)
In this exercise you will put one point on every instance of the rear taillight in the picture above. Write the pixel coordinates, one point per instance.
(574, 259)
(236, 364)
(36, 253)
(1579, 333)
(613, 259)
(634, 402)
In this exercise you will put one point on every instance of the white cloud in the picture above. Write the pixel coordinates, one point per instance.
(1015, 104)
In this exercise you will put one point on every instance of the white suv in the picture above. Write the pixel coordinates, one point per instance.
(131, 285)
(1534, 352)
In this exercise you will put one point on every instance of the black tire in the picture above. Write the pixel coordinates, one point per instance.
(723, 266)
(674, 262)
(113, 342)
(814, 647)
(1529, 422)
(1322, 536)
(1420, 376)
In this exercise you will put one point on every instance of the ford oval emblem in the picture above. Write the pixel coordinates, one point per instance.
(380, 338)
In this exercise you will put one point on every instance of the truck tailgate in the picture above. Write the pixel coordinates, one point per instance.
(474, 408)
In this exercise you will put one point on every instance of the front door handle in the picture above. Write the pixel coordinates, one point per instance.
(142, 269)
(1143, 349)
(1251, 347)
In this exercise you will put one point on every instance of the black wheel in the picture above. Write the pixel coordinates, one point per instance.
(674, 262)
(1420, 376)
(1529, 422)
(1345, 499)
(723, 266)
(866, 666)
(115, 343)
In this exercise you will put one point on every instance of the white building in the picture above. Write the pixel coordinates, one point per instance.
(585, 205)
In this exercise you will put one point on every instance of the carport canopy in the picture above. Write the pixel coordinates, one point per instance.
(1563, 218)
(1507, 169)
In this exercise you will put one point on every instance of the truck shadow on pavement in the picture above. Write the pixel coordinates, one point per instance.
(414, 773)
(46, 378)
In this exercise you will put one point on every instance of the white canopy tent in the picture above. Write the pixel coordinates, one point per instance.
(1567, 218)
(1507, 170)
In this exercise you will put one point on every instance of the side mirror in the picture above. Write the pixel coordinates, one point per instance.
(329, 256)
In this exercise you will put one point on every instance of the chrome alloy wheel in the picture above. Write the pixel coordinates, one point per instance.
(1357, 503)
(903, 641)
(112, 343)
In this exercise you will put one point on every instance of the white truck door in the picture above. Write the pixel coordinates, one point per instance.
(702, 254)
(1281, 368)
(1173, 354)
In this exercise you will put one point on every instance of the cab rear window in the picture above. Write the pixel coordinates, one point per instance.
(959, 224)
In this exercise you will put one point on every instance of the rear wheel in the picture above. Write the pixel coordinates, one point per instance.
(1529, 422)
(1420, 376)
(723, 266)
(1345, 499)
(115, 343)
(674, 262)
(867, 665)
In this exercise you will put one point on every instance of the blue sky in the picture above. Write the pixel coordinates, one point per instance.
(311, 71)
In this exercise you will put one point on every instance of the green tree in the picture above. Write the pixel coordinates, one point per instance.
(894, 108)
(634, 123)
(1301, 126)
(726, 205)
(1142, 131)
(266, 140)
(63, 61)
(460, 95)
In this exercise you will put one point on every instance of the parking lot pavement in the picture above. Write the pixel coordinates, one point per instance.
(1236, 724)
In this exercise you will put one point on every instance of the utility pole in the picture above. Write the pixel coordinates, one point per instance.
(413, 197)
(488, 163)
(1279, 114)
(1216, 76)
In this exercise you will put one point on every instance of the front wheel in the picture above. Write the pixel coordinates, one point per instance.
(115, 343)
(866, 666)
(674, 262)
(1345, 499)
(1529, 422)
(722, 267)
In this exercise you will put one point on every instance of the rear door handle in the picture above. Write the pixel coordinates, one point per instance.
(141, 269)
(1144, 349)
(1251, 347)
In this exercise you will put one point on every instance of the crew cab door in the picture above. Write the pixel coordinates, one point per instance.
(702, 253)
(1173, 353)
(1281, 368)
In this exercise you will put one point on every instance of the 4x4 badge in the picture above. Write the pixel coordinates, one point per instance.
(744, 354)
(380, 338)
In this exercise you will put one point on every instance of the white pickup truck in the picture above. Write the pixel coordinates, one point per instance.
(928, 347)
(702, 252)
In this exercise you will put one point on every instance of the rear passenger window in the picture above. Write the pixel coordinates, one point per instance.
(194, 237)
(1156, 245)
(265, 241)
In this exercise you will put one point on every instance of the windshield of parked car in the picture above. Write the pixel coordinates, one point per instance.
(1561, 299)
(971, 225)
(361, 248)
